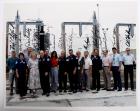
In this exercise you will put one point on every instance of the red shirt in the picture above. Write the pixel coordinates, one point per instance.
(54, 62)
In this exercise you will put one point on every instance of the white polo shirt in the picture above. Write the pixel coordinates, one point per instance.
(128, 59)
(116, 59)
(88, 63)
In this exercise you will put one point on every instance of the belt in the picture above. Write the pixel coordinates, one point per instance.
(106, 66)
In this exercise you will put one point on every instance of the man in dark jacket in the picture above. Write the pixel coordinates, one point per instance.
(44, 70)
(96, 66)
(71, 68)
(62, 72)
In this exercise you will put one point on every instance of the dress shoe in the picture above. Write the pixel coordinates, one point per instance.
(119, 89)
(48, 94)
(104, 89)
(43, 93)
(132, 89)
(110, 90)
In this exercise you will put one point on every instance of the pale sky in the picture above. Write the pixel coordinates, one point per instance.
(54, 13)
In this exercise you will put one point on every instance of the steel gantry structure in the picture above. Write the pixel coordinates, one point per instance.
(13, 34)
(95, 31)
(130, 32)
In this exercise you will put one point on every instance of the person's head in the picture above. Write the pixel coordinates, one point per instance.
(21, 56)
(128, 50)
(46, 52)
(33, 55)
(63, 54)
(96, 52)
(114, 50)
(13, 54)
(78, 54)
(30, 49)
(86, 53)
(54, 54)
(105, 52)
(41, 53)
(70, 52)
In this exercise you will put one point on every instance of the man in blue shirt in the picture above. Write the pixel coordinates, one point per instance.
(11, 64)
(116, 62)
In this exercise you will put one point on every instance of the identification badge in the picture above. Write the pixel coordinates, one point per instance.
(67, 60)
(48, 59)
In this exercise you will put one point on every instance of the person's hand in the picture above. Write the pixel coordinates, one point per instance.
(82, 72)
(65, 73)
(46, 73)
(17, 76)
(74, 72)
(119, 69)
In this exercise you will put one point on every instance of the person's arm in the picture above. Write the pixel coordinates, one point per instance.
(7, 63)
(123, 58)
(120, 62)
(110, 63)
(90, 67)
(75, 64)
(134, 60)
(17, 75)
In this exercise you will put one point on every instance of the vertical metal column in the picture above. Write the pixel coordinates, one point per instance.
(117, 39)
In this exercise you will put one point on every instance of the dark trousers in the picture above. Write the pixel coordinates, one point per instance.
(95, 79)
(70, 75)
(75, 82)
(79, 80)
(22, 85)
(45, 83)
(128, 70)
(62, 81)
(117, 77)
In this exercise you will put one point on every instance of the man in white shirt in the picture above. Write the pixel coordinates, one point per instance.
(87, 71)
(128, 61)
(116, 62)
(106, 70)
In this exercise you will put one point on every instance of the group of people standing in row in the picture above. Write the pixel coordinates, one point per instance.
(68, 73)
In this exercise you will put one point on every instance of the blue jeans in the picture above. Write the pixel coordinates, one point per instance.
(54, 78)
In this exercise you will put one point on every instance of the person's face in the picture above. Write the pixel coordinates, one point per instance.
(41, 54)
(21, 57)
(105, 53)
(78, 54)
(71, 52)
(13, 54)
(62, 54)
(34, 56)
(46, 52)
(30, 49)
(96, 52)
(85, 54)
(114, 51)
(54, 54)
(128, 51)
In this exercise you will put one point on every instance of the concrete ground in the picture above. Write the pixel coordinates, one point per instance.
(84, 99)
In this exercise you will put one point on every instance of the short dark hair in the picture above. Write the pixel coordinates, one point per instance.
(96, 49)
(20, 55)
(114, 48)
(71, 50)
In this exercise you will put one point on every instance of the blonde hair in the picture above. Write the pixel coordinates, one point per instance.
(33, 54)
